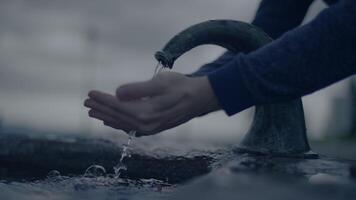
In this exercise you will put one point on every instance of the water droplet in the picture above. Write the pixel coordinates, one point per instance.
(95, 171)
(119, 168)
(53, 174)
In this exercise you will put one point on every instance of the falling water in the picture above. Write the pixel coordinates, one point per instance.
(125, 153)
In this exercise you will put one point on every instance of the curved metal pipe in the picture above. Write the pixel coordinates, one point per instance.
(277, 129)
(232, 35)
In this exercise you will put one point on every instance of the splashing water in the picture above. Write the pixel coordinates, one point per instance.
(125, 153)
(94, 170)
(96, 186)
(53, 174)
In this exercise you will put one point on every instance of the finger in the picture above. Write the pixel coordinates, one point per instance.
(141, 112)
(172, 117)
(140, 134)
(96, 106)
(104, 98)
(121, 122)
(165, 102)
(169, 106)
(90, 103)
(111, 101)
(138, 90)
(116, 126)
(101, 116)
(141, 116)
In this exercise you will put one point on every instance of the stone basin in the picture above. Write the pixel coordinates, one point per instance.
(26, 157)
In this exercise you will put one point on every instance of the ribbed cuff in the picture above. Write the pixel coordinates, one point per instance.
(229, 89)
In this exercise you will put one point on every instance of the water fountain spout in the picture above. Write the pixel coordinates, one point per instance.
(277, 129)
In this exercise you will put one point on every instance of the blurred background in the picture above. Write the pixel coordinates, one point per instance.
(53, 52)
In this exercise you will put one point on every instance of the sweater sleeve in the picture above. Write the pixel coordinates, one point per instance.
(300, 62)
(275, 17)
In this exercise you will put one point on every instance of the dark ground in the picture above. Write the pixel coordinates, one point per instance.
(339, 148)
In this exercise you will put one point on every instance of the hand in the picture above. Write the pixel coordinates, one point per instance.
(149, 107)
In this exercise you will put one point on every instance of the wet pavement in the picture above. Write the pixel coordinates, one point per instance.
(224, 174)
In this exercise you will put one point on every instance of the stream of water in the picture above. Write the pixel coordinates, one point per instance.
(125, 153)
(126, 147)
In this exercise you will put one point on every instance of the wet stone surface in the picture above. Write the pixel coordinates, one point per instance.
(81, 187)
(23, 157)
(83, 169)
(263, 177)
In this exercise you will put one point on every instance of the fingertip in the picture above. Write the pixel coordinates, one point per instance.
(87, 103)
(91, 113)
(138, 90)
(138, 134)
(126, 131)
(110, 125)
(92, 93)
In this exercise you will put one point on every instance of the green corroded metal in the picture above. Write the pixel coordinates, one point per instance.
(232, 35)
(277, 129)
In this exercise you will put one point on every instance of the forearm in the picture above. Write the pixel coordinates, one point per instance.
(300, 62)
(275, 17)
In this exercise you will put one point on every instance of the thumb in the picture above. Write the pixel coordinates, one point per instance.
(139, 90)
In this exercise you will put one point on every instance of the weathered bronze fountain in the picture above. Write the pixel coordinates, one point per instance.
(277, 129)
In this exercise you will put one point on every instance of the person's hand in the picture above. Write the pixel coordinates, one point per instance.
(149, 107)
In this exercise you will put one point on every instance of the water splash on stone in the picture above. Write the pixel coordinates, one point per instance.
(95, 171)
(53, 174)
(125, 153)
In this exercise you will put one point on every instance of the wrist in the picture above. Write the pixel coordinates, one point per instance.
(204, 95)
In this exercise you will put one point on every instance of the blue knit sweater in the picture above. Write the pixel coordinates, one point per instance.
(297, 63)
